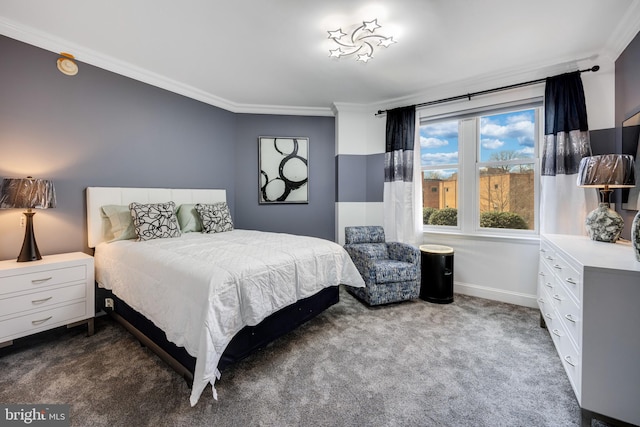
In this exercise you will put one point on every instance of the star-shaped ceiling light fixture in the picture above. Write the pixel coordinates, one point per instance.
(362, 41)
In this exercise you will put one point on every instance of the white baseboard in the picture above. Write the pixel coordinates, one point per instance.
(501, 295)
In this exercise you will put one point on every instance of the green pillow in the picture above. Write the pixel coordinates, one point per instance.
(120, 223)
(189, 219)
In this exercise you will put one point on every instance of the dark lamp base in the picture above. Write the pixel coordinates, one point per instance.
(29, 251)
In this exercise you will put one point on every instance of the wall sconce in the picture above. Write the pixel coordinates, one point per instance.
(362, 40)
(27, 193)
(67, 65)
(606, 172)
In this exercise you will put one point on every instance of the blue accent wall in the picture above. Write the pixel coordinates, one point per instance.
(99, 128)
(316, 218)
(627, 103)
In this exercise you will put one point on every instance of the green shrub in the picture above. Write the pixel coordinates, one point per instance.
(446, 216)
(502, 220)
(426, 214)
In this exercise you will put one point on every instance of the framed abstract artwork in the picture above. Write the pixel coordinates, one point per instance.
(283, 169)
(631, 145)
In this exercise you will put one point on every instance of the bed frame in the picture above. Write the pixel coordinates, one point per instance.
(246, 342)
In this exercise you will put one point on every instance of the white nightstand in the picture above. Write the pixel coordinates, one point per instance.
(55, 291)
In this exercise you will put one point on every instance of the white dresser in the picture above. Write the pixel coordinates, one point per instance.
(589, 298)
(39, 295)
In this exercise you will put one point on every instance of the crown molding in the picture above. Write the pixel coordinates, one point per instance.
(490, 80)
(48, 42)
(624, 33)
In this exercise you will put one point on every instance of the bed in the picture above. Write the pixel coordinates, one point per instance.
(205, 300)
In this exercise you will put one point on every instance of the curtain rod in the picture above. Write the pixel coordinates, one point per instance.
(484, 92)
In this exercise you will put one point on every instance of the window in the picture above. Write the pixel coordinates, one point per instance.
(484, 167)
(439, 160)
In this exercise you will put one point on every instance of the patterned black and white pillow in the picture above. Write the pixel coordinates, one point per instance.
(215, 218)
(154, 220)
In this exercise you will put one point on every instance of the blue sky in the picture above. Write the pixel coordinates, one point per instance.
(513, 131)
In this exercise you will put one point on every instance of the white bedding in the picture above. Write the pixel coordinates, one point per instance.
(201, 289)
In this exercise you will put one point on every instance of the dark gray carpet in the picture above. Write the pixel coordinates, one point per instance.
(471, 363)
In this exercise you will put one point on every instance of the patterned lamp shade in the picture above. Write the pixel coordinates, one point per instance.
(606, 172)
(27, 193)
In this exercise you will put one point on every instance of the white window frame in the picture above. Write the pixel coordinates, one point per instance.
(468, 175)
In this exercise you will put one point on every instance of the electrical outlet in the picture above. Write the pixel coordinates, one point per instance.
(108, 303)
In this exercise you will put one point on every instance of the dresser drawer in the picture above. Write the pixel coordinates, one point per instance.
(42, 320)
(44, 298)
(36, 280)
(547, 254)
(546, 278)
(570, 315)
(569, 276)
(572, 362)
(569, 355)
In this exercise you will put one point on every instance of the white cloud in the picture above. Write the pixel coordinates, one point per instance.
(519, 127)
(526, 152)
(440, 130)
(430, 142)
(431, 159)
(492, 144)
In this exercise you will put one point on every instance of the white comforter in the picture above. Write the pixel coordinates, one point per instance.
(201, 289)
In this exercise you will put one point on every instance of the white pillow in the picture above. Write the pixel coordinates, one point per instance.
(154, 220)
(215, 218)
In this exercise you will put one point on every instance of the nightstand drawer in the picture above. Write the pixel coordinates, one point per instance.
(39, 279)
(42, 320)
(43, 298)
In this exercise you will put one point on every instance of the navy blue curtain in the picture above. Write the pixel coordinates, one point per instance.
(566, 139)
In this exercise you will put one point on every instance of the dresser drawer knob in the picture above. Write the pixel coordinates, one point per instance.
(541, 274)
(557, 266)
(569, 360)
(549, 258)
(40, 301)
(556, 332)
(548, 316)
(571, 280)
(38, 281)
(40, 322)
(549, 285)
(557, 297)
(540, 300)
(570, 318)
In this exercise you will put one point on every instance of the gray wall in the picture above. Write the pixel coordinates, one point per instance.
(102, 129)
(361, 178)
(627, 101)
(317, 218)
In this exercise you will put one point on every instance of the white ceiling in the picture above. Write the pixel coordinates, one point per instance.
(273, 55)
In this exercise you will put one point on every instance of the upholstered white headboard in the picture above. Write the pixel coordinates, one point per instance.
(100, 196)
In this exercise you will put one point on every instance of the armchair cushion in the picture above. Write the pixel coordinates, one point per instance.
(389, 271)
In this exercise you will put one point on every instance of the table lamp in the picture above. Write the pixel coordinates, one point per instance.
(606, 172)
(27, 193)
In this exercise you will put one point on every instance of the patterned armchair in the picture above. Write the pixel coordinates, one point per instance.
(391, 270)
